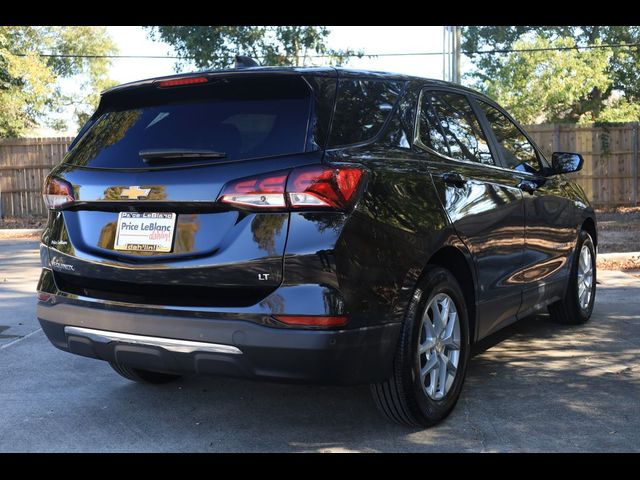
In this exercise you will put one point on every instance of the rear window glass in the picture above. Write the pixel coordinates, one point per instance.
(362, 108)
(258, 124)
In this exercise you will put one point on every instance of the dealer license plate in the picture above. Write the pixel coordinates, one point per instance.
(145, 232)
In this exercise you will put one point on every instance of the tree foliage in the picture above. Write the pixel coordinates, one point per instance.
(217, 46)
(571, 85)
(29, 92)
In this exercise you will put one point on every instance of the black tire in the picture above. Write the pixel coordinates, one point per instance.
(142, 376)
(568, 310)
(402, 398)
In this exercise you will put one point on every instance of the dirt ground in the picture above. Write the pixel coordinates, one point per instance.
(619, 230)
(21, 223)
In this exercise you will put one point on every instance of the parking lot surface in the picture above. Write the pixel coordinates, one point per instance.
(535, 386)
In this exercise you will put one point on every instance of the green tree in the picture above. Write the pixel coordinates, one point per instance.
(29, 92)
(217, 46)
(549, 85)
(580, 93)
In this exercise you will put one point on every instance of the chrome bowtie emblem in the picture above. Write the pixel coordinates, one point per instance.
(135, 192)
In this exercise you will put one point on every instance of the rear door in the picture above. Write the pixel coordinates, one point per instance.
(137, 160)
(484, 206)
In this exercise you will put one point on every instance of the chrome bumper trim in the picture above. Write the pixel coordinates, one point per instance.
(171, 344)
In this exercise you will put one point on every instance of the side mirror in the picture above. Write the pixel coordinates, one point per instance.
(564, 162)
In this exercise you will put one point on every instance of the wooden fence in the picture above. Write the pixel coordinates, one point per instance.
(24, 164)
(609, 176)
(610, 173)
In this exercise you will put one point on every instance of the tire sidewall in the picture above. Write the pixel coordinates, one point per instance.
(434, 282)
(583, 314)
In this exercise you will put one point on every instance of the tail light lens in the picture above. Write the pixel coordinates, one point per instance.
(57, 193)
(266, 191)
(300, 188)
(180, 82)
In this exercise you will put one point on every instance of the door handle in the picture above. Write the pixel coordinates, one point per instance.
(527, 186)
(454, 179)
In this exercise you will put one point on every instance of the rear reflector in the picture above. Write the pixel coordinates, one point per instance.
(177, 82)
(57, 193)
(44, 297)
(301, 188)
(312, 320)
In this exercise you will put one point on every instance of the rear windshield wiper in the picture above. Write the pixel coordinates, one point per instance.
(173, 154)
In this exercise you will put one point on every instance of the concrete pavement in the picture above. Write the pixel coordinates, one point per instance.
(535, 386)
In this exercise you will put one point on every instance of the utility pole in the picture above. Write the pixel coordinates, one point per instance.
(457, 77)
(445, 54)
(451, 39)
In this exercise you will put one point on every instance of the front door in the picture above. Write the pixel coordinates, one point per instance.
(550, 223)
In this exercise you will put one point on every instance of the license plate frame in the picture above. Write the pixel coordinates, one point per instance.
(145, 232)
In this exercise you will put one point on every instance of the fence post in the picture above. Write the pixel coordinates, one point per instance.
(556, 138)
(634, 165)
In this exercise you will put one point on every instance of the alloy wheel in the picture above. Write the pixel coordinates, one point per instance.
(439, 346)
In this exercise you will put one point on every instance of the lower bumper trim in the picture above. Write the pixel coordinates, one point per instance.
(171, 344)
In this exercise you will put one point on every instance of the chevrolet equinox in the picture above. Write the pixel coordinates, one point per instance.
(308, 225)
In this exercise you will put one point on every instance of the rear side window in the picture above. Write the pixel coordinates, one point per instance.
(362, 108)
(242, 123)
(449, 126)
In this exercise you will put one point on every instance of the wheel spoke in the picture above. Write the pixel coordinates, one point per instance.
(432, 362)
(444, 316)
(583, 259)
(451, 323)
(451, 343)
(428, 344)
(428, 326)
(582, 295)
(451, 368)
(442, 374)
(433, 383)
(438, 322)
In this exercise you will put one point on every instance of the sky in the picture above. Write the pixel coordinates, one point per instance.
(406, 39)
(133, 40)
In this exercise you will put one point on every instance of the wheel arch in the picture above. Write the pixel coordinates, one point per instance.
(589, 226)
(460, 265)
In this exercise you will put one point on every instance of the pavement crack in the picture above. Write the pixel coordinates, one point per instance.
(477, 431)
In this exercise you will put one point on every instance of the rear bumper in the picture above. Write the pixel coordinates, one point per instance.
(181, 344)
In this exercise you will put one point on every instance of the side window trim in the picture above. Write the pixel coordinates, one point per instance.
(488, 131)
(541, 158)
(416, 133)
(416, 129)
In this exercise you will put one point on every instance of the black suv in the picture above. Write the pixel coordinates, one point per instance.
(312, 225)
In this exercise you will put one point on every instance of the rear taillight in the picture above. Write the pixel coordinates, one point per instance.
(300, 188)
(265, 191)
(57, 193)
